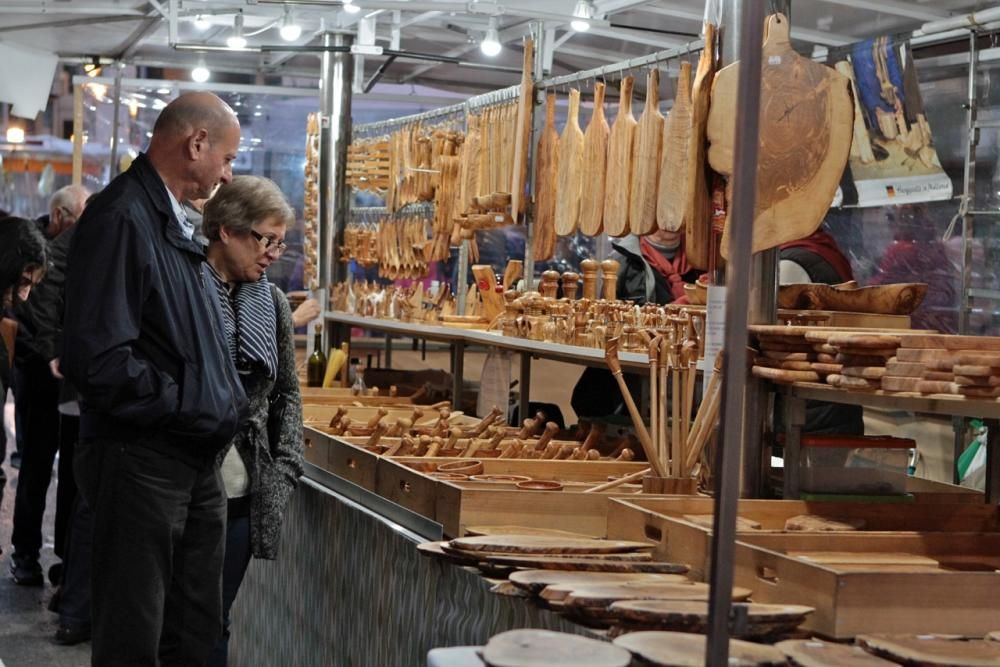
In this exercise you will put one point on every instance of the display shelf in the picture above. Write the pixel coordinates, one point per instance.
(797, 394)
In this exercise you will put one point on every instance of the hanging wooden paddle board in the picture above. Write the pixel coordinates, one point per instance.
(546, 173)
(595, 160)
(617, 183)
(697, 199)
(646, 160)
(806, 124)
(570, 184)
(681, 649)
(670, 207)
(522, 130)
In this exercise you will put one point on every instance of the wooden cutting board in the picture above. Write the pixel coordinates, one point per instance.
(929, 650)
(698, 209)
(682, 649)
(560, 592)
(522, 131)
(586, 564)
(646, 149)
(806, 123)
(474, 531)
(545, 544)
(536, 580)
(603, 595)
(818, 653)
(544, 648)
(671, 190)
(618, 180)
(692, 616)
(944, 342)
(595, 160)
(546, 178)
(570, 184)
(479, 555)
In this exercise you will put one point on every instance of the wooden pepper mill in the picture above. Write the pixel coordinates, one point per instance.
(570, 283)
(550, 284)
(609, 272)
(589, 267)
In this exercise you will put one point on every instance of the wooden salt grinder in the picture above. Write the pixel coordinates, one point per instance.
(609, 272)
(550, 284)
(589, 267)
(570, 283)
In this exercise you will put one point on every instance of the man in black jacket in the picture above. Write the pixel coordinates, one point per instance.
(37, 397)
(143, 344)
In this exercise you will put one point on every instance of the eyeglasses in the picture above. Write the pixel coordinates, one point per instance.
(273, 246)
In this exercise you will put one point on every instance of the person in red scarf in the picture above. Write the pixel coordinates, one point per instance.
(654, 268)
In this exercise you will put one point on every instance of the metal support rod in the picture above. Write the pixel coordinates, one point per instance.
(542, 47)
(462, 277)
(992, 461)
(77, 133)
(491, 98)
(457, 372)
(632, 63)
(115, 121)
(335, 132)
(388, 351)
(378, 74)
(524, 404)
(795, 419)
(727, 463)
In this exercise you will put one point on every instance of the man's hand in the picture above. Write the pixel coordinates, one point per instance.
(54, 368)
(307, 311)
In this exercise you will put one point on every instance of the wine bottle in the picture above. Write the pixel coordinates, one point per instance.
(316, 368)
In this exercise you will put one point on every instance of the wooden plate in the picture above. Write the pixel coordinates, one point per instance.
(543, 648)
(818, 653)
(605, 595)
(681, 649)
(544, 562)
(692, 616)
(929, 650)
(545, 544)
(523, 530)
(536, 580)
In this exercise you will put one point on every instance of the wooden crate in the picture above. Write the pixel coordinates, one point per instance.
(960, 598)
(661, 520)
(314, 413)
(355, 464)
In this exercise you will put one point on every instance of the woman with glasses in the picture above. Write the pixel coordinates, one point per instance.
(245, 223)
(23, 259)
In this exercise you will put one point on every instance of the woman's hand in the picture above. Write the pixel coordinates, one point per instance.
(307, 311)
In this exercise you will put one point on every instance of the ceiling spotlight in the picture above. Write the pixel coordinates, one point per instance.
(490, 45)
(15, 135)
(237, 41)
(201, 22)
(290, 30)
(584, 11)
(350, 7)
(200, 74)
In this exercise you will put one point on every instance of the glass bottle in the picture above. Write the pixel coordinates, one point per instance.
(358, 388)
(316, 368)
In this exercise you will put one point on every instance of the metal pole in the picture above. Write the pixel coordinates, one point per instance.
(542, 44)
(116, 121)
(78, 134)
(336, 74)
(727, 463)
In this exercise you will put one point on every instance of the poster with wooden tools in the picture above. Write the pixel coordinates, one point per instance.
(646, 160)
(595, 158)
(522, 130)
(698, 202)
(806, 124)
(570, 183)
(546, 173)
(673, 164)
(617, 183)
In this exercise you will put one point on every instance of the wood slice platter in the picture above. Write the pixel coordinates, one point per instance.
(930, 650)
(777, 355)
(786, 365)
(708, 521)
(544, 648)
(434, 550)
(864, 340)
(690, 590)
(806, 124)
(536, 580)
(681, 649)
(826, 368)
(586, 564)
(692, 616)
(476, 556)
(475, 531)
(864, 372)
(818, 653)
(604, 595)
(545, 544)
(595, 156)
(975, 370)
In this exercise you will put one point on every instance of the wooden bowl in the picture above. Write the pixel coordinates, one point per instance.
(540, 485)
(468, 468)
(449, 476)
(499, 478)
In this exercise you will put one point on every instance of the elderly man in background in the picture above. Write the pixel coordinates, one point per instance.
(36, 392)
(144, 345)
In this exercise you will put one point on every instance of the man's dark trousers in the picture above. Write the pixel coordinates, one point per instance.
(147, 506)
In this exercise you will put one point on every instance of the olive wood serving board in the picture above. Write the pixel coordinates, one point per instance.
(545, 544)
(806, 124)
(570, 183)
(813, 523)
(670, 203)
(546, 176)
(786, 365)
(595, 158)
(926, 650)
(681, 649)
(619, 172)
(544, 648)
(967, 344)
(522, 131)
(818, 653)
(692, 615)
(536, 580)
(604, 596)
(473, 531)
(646, 148)
(865, 372)
(475, 556)
(560, 592)
(697, 206)
(586, 564)
(880, 342)
(908, 369)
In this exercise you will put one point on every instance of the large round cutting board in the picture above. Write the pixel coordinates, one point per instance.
(544, 648)
(680, 649)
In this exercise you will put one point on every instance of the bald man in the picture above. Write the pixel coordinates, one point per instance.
(160, 398)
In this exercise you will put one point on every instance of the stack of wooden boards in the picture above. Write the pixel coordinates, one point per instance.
(891, 361)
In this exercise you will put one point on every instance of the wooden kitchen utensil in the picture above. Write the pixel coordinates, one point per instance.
(697, 199)
(646, 148)
(611, 356)
(546, 544)
(807, 119)
(617, 183)
(670, 197)
(928, 650)
(522, 131)
(682, 649)
(818, 653)
(570, 182)
(546, 178)
(595, 158)
(544, 648)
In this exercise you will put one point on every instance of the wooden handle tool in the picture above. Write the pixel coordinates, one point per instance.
(415, 417)
(543, 440)
(337, 416)
(342, 426)
(401, 427)
(486, 422)
(434, 447)
(611, 356)
(376, 435)
(453, 437)
(632, 477)
(595, 435)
